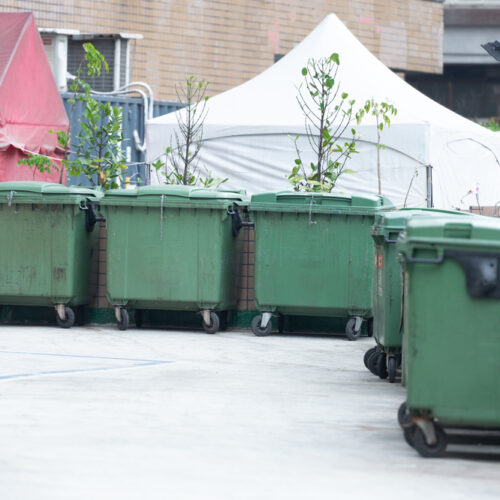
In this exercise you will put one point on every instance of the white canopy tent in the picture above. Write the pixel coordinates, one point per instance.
(431, 151)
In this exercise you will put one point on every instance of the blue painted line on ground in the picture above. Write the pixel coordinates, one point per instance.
(77, 370)
(84, 356)
(138, 363)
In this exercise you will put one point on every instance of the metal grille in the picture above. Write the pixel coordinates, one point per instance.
(133, 119)
(106, 46)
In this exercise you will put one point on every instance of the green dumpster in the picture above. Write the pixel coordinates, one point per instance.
(313, 256)
(385, 359)
(46, 245)
(173, 248)
(451, 341)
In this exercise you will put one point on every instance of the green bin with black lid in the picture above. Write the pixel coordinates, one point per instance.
(451, 340)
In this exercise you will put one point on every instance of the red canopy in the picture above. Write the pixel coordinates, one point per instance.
(30, 104)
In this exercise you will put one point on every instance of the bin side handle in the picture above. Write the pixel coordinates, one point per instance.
(90, 216)
(481, 272)
(237, 222)
(387, 240)
(423, 260)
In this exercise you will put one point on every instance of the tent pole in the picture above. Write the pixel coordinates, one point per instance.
(428, 171)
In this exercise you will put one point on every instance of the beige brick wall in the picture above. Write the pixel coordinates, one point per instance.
(98, 271)
(488, 211)
(228, 42)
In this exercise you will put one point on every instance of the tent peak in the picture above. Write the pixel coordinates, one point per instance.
(16, 23)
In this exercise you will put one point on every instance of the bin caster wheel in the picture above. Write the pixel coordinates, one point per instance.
(367, 355)
(124, 319)
(350, 331)
(406, 424)
(409, 435)
(258, 330)
(391, 369)
(139, 318)
(381, 367)
(372, 362)
(429, 450)
(404, 419)
(214, 323)
(281, 323)
(69, 319)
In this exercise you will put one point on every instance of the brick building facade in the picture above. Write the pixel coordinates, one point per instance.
(228, 42)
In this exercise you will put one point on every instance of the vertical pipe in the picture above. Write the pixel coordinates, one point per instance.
(430, 201)
(116, 73)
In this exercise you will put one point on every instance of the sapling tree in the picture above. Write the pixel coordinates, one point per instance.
(97, 145)
(328, 114)
(181, 165)
(382, 111)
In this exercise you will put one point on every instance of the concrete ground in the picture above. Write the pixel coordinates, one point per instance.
(94, 413)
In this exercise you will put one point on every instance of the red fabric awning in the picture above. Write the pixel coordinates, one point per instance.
(30, 104)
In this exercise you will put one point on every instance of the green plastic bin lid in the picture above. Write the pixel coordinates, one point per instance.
(34, 190)
(180, 193)
(396, 220)
(334, 199)
(475, 230)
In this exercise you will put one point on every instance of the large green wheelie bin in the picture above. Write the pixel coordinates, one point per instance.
(173, 248)
(384, 359)
(313, 256)
(47, 238)
(451, 341)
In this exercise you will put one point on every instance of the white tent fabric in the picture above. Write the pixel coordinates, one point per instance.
(248, 130)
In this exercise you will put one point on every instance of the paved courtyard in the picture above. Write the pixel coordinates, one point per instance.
(95, 413)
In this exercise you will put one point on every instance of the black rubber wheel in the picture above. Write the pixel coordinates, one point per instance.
(427, 450)
(69, 319)
(256, 328)
(372, 362)
(368, 354)
(409, 434)
(124, 319)
(214, 323)
(391, 369)
(382, 366)
(139, 318)
(404, 418)
(369, 327)
(281, 323)
(351, 333)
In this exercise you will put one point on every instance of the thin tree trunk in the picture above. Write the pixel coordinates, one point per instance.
(378, 159)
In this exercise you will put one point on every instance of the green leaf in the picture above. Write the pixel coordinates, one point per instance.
(304, 71)
(335, 58)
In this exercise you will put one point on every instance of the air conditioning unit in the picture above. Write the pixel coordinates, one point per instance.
(64, 49)
(55, 42)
